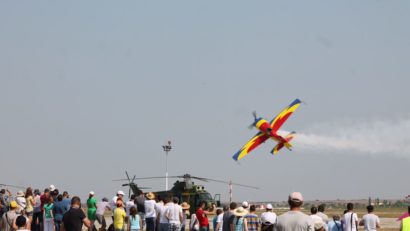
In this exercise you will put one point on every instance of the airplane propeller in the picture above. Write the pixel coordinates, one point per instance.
(255, 119)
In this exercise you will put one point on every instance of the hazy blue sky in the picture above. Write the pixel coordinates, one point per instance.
(89, 89)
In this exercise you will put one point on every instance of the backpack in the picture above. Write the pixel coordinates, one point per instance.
(194, 223)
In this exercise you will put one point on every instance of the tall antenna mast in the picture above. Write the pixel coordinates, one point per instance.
(167, 148)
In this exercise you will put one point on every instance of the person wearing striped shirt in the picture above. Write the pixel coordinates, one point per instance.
(252, 219)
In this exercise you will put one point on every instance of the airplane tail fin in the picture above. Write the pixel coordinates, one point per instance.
(288, 146)
(286, 143)
(290, 136)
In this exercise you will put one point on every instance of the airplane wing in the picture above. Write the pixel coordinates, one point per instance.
(250, 145)
(278, 121)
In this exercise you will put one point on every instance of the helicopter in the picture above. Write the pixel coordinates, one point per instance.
(187, 191)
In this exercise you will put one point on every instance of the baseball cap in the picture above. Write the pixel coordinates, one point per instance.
(13, 204)
(120, 193)
(296, 196)
(269, 206)
(52, 187)
(92, 193)
(245, 204)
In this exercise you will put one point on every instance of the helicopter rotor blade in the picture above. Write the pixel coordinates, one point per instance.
(155, 177)
(149, 178)
(231, 183)
(146, 178)
(12, 186)
(187, 176)
(182, 177)
(125, 185)
(199, 178)
(128, 177)
(245, 186)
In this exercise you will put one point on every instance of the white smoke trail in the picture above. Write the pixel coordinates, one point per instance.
(371, 137)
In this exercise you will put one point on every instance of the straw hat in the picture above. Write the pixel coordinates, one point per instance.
(185, 205)
(240, 212)
(150, 196)
(20, 194)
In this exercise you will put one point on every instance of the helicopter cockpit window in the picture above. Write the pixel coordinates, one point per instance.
(205, 197)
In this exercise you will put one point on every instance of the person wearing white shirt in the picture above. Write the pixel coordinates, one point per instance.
(21, 201)
(314, 216)
(350, 220)
(120, 194)
(129, 204)
(101, 207)
(36, 210)
(317, 220)
(321, 213)
(268, 218)
(370, 221)
(173, 212)
(160, 207)
(150, 213)
(219, 218)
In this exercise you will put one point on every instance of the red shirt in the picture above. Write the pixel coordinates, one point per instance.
(201, 216)
(44, 200)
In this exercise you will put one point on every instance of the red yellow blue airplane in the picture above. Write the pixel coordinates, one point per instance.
(269, 130)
